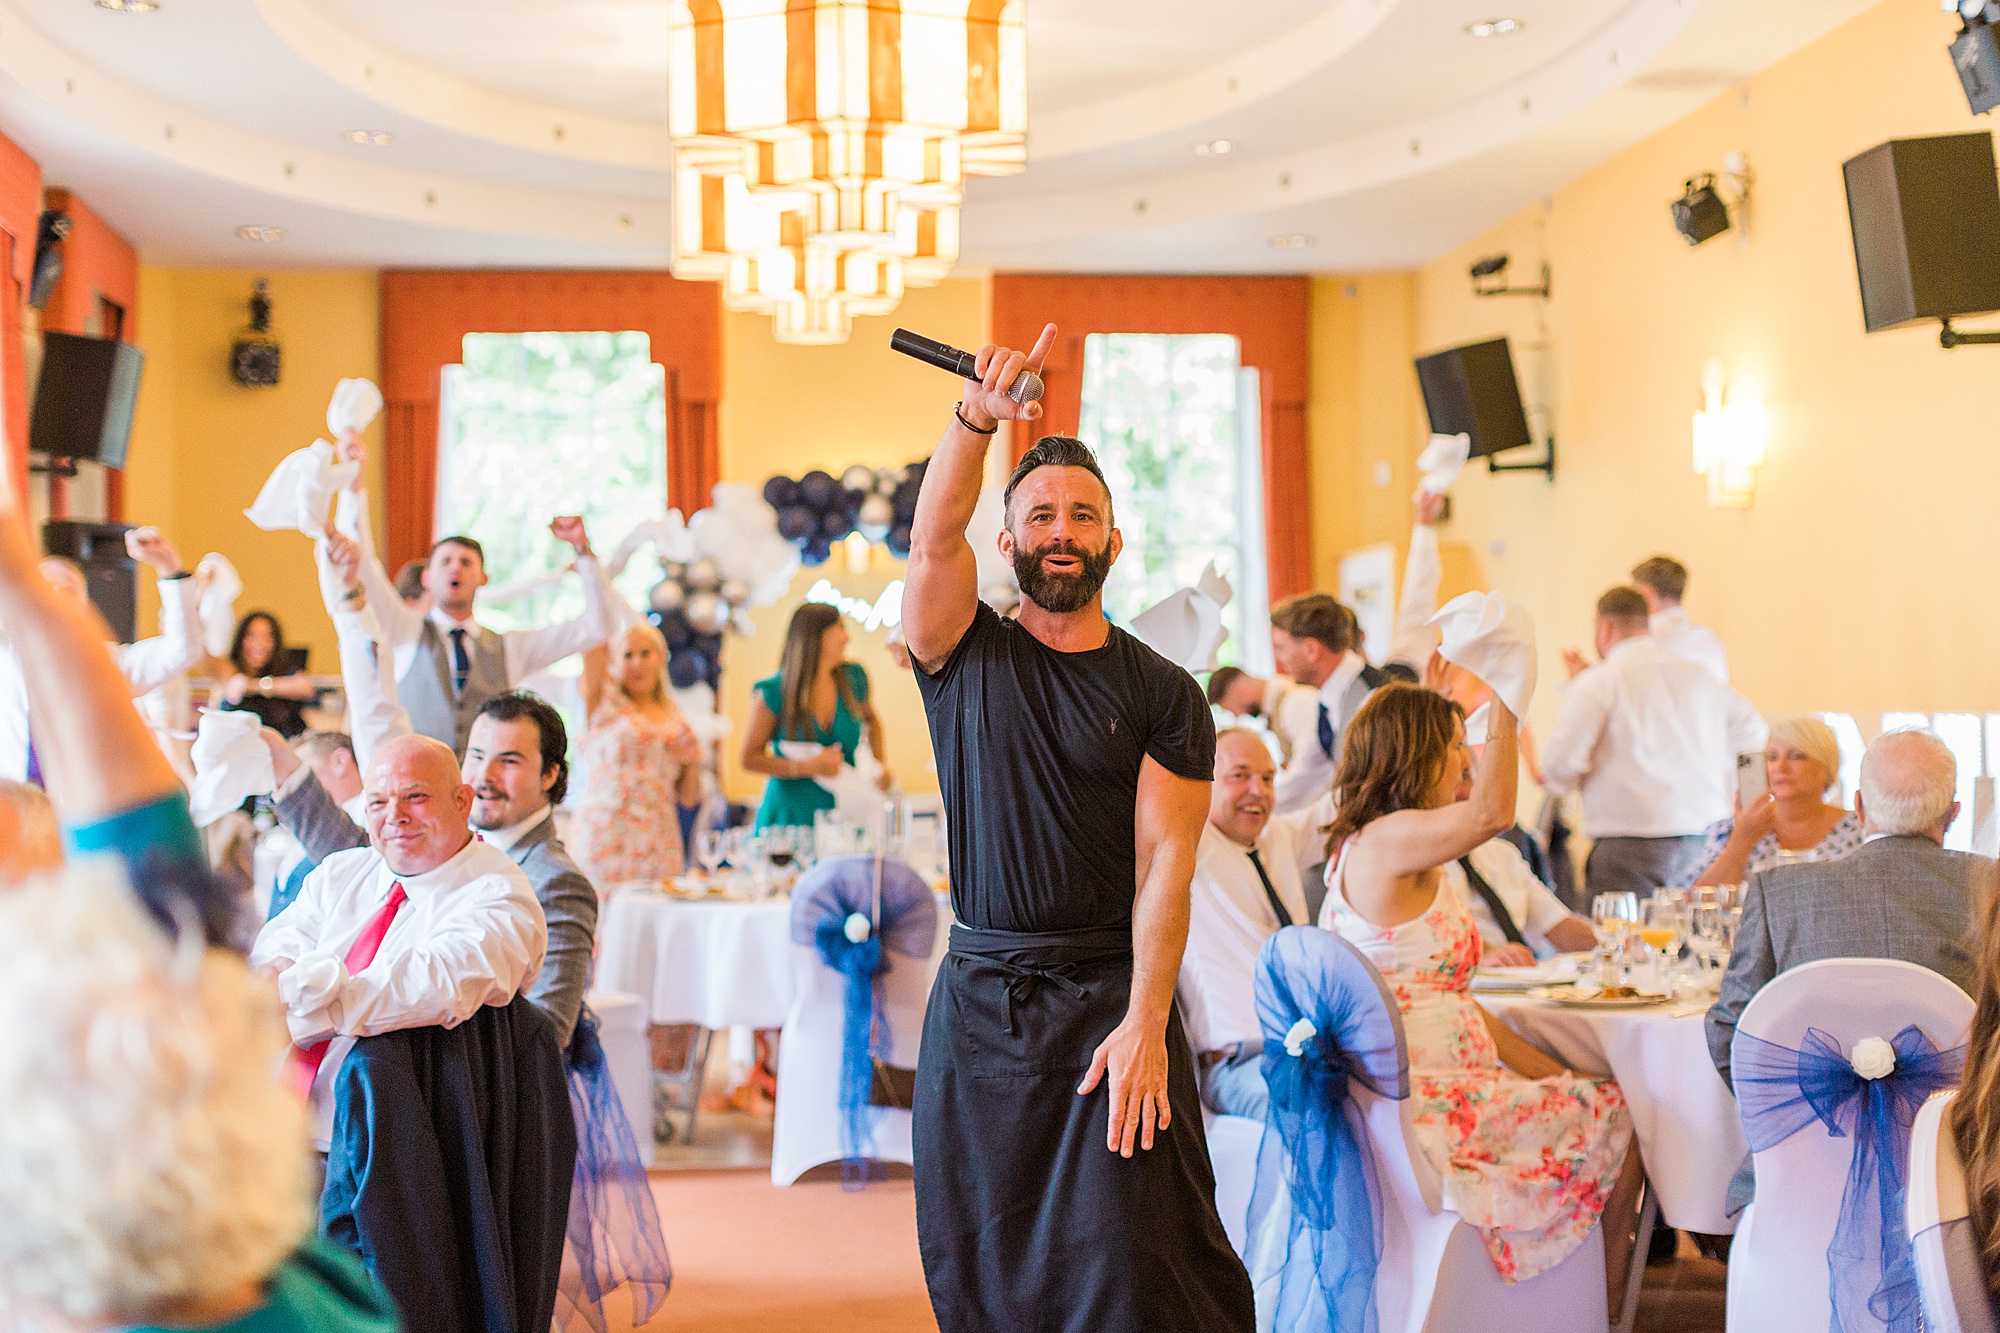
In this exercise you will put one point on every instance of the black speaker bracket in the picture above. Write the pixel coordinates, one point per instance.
(1949, 337)
(55, 467)
(1541, 291)
(1546, 466)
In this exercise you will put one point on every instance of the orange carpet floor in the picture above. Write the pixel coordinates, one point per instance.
(749, 1256)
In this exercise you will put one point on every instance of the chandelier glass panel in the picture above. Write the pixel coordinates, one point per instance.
(821, 146)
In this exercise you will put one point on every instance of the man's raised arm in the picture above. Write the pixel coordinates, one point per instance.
(941, 587)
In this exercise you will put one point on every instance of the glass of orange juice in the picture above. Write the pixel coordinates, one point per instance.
(1661, 925)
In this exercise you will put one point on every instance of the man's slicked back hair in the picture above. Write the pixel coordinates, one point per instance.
(1054, 451)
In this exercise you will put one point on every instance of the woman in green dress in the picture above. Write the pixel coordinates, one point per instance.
(817, 698)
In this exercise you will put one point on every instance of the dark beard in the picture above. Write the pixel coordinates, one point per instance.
(1061, 593)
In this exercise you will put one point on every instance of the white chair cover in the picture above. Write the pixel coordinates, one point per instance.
(1232, 1154)
(806, 1124)
(621, 1030)
(1434, 1275)
(1949, 1273)
(1777, 1263)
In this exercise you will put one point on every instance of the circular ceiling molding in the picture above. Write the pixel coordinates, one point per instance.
(460, 106)
(342, 182)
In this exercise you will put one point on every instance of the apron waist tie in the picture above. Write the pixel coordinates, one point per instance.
(1042, 958)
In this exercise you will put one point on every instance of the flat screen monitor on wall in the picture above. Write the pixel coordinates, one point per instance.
(84, 398)
(1471, 390)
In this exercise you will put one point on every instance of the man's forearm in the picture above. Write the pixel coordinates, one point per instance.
(951, 487)
(1159, 932)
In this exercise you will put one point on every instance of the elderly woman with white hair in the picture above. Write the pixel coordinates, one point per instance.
(1792, 821)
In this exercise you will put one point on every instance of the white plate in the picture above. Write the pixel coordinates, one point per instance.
(1567, 997)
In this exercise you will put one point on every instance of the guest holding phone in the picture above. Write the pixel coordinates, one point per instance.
(263, 681)
(1790, 820)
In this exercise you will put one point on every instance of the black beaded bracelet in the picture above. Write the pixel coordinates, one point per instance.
(957, 412)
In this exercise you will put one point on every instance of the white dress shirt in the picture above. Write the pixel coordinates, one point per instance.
(1308, 775)
(1291, 711)
(505, 838)
(1229, 919)
(1423, 574)
(1678, 635)
(470, 934)
(1534, 908)
(1651, 741)
(147, 665)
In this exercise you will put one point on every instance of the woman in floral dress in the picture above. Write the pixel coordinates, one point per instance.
(642, 759)
(1530, 1154)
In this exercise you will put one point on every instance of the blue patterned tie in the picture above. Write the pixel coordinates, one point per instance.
(461, 665)
(1325, 731)
(34, 774)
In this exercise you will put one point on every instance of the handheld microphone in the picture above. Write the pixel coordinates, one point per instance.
(1027, 386)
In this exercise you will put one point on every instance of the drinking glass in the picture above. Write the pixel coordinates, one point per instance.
(1705, 923)
(780, 843)
(1614, 914)
(708, 849)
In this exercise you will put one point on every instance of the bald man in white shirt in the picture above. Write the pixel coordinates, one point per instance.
(463, 926)
(1650, 740)
(1248, 883)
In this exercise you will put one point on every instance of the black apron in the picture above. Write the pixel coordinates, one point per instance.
(1027, 1222)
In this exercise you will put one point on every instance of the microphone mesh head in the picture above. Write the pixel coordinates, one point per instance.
(1027, 387)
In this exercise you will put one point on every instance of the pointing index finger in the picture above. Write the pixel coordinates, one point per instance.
(1041, 349)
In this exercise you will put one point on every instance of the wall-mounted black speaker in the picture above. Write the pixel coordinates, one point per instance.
(85, 397)
(1471, 390)
(110, 573)
(1926, 220)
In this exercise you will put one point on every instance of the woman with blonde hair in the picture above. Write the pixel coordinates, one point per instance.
(1530, 1155)
(1791, 820)
(1974, 1115)
(642, 759)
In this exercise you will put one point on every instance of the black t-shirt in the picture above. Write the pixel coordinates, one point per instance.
(1038, 754)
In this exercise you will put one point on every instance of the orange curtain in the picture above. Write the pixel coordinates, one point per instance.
(20, 210)
(426, 315)
(1269, 318)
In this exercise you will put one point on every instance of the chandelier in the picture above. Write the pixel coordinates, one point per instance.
(821, 147)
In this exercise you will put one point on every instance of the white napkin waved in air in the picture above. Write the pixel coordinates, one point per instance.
(1442, 460)
(230, 764)
(312, 981)
(301, 490)
(1492, 636)
(1186, 627)
(217, 609)
(354, 404)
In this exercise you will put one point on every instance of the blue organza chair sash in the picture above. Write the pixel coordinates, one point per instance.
(614, 1237)
(1328, 1023)
(1780, 1091)
(848, 909)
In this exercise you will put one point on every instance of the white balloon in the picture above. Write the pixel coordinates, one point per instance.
(703, 576)
(667, 595)
(706, 613)
(735, 592)
(742, 623)
(858, 478)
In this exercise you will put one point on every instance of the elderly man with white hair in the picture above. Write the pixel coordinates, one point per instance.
(1899, 895)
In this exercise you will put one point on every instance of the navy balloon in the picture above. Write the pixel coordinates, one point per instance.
(816, 551)
(899, 541)
(906, 500)
(674, 628)
(817, 490)
(797, 522)
(781, 491)
(687, 668)
(852, 499)
(835, 525)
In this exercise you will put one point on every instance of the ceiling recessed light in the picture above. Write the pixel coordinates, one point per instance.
(263, 235)
(1297, 240)
(129, 6)
(1215, 148)
(1493, 27)
(373, 138)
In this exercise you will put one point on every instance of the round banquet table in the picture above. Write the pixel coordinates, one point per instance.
(1683, 1113)
(715, 963)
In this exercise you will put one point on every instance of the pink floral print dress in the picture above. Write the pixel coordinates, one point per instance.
(628, 825)
(1528, 1162)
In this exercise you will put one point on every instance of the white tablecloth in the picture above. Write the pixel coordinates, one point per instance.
(719, 964)
(1683, 1113)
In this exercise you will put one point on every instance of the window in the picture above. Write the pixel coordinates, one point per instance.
(1186, 472)
(539, 424)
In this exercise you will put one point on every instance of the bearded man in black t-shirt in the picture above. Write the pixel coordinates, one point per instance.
(1063, 1180)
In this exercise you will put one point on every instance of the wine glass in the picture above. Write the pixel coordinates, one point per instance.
(708, 849)
(1614, 914)
(1662, 924)
(1705, 922)
(779, 845)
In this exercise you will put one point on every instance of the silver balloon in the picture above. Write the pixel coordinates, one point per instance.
(673, 569)
(703, 576)
(707, 613)
(878, 515)
(735, 592)
(886, 481)
(858, 478)
(666, 596)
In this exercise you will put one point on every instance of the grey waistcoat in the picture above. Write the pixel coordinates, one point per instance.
(425, 689)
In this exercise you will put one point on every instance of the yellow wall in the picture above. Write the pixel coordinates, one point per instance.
(203, 444)
(792, 409)
(1855, 582)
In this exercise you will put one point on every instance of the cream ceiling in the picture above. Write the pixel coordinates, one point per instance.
(532, 132)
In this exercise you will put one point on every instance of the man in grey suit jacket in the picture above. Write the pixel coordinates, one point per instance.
(1900, 895)
(515, 763)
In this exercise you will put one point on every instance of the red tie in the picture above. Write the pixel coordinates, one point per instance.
(303, 1066)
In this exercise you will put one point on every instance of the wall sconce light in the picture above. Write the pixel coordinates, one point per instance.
(1730, 435)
